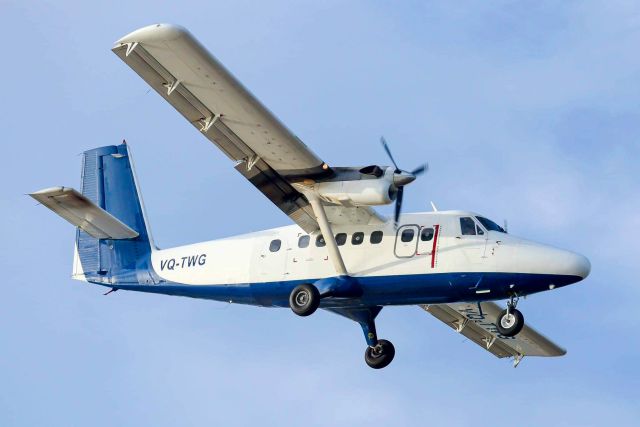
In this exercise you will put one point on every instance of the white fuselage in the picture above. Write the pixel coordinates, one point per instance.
(248, 259)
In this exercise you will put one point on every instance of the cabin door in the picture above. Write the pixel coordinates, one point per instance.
(406, 241)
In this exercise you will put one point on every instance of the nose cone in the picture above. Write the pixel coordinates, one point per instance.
(567, 263)
(579, 265)
(544, 259)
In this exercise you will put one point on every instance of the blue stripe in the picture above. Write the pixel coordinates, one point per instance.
(381, 290)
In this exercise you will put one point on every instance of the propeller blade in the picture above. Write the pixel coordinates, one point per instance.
(386, 148)
(398, 205)
(400, 179)
(420, 169)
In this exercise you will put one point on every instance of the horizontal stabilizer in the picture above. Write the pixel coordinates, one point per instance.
(83, 213)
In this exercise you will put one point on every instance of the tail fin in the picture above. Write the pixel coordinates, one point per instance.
(109, 181)
(113, 243)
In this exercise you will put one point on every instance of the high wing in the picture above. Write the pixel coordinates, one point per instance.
(479, 327)
(268, 154)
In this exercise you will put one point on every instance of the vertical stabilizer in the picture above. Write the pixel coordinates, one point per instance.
(108, 180)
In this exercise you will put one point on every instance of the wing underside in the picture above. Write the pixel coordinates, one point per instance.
(477, 323)
(265, 152)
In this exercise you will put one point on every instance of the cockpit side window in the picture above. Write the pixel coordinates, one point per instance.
(426, 234)
(490, 225)
(467, 226)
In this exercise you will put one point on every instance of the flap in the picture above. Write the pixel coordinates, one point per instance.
(83, 213)
(479, 326)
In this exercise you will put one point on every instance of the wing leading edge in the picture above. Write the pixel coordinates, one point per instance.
(266, 153)
(479, 327)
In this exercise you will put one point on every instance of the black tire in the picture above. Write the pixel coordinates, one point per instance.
(381, 355)
(304, 299)
(510, 327)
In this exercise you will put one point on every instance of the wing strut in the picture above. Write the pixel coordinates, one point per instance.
(327, 234)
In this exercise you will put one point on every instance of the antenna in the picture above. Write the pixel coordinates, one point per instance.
(433, 205)
(505, 225)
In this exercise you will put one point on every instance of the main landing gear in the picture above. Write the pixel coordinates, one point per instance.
(304, 299)
(379, 353)
(510, 321)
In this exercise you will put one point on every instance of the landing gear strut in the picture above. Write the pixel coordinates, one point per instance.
(510, 321)
(379, 353)
(305, 299)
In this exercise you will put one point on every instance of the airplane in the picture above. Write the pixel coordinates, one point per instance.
(340, 255)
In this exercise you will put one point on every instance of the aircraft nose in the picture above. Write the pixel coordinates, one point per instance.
(550, 260)
(569, 263)
(580, 265)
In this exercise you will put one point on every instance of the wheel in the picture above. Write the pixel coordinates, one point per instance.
(304, 299)
(381, 355)
(510, 325)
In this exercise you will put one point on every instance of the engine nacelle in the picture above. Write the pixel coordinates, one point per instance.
(359, 192)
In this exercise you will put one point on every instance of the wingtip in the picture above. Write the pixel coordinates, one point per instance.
(151, 33)
(48, 190)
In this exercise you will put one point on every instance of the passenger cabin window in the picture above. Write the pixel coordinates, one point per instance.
(274, 246)
(320, 241)
(357, 238)
(341, 239)
(468, 227)
(407, 235)
(426, 234)
(376, 237)
(303, 241)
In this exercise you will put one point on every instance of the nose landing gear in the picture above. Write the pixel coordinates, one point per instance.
(510, 321)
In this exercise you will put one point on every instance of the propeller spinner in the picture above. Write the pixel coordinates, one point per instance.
(401, 178)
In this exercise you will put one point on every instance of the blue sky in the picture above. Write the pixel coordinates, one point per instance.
(528, 111)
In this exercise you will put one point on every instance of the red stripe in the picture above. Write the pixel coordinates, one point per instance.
(433, 249)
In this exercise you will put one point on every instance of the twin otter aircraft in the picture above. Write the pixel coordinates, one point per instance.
(340, 255)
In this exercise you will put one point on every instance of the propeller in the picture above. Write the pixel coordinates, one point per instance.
(401, 178)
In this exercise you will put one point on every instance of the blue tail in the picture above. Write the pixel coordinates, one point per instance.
(108, 180)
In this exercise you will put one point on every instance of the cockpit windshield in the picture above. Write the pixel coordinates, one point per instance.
(490, 225)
